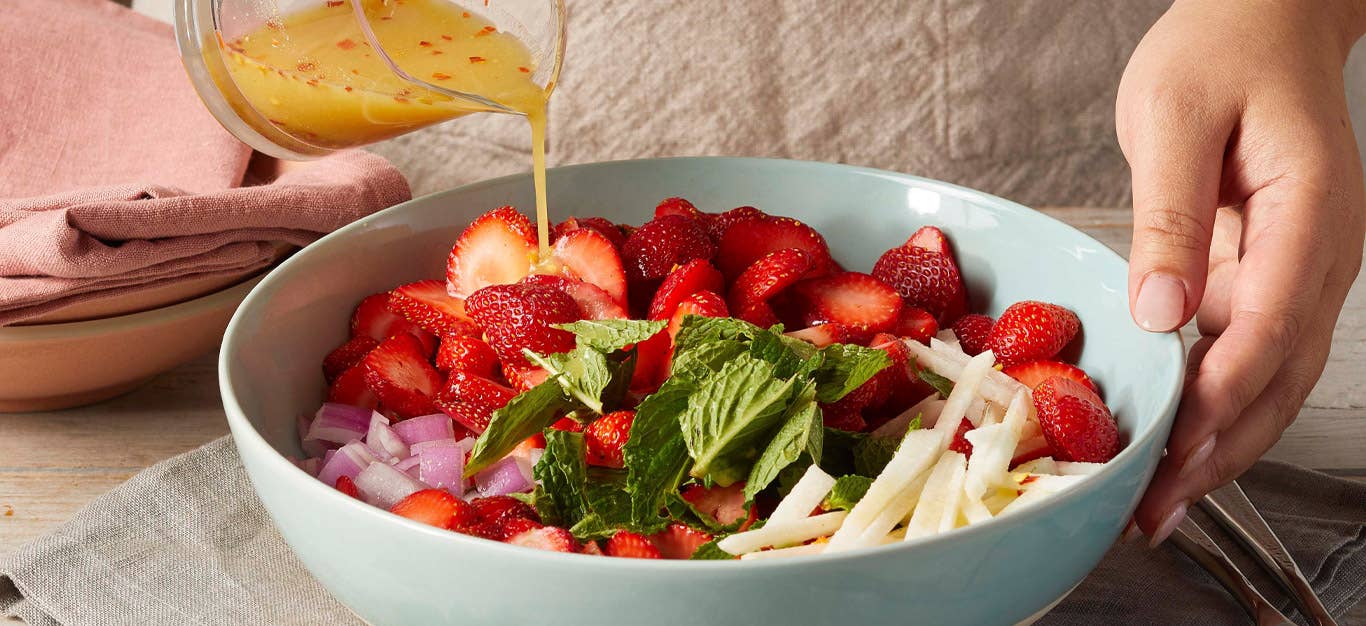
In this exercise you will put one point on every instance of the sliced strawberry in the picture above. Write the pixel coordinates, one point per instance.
(960, 443)
(427, 304)
(725, 505)
(591, 547)
(521, 316)
(842, 419)
(822, 335)
(589, 256)
(898, 390)
(470, 354)
(602, 225)
(1076, 423)
(746, 241)
(523, 378)
(606, 436)
(974, 333)
(469, 388)
(630, 545)
(719, 224)
(659, 245)
(764, 278)
(760, 314)
(495, 509)
(932, 239)
(679, 541)
(567, 424)
(399, 374)
(1032, 331)
(679, 206)
(435, 507)
(496, 249)
(926, 279)
(652, 363)
(373, 319)
(347, 356)
(350, 388)
(471, 417)
(594, 303)
(689, 278)
(916, 323)
(552, 538)
(348, 486)
(513, 526)
(704, 303)
(858, 301)
(1033, 373)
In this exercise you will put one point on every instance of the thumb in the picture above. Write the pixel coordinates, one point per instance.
(1176, 159)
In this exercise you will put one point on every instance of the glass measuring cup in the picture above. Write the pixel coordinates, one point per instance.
(298, 79)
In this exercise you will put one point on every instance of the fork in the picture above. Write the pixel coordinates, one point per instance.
(1192, 540)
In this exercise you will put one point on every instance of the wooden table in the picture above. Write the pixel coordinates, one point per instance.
(53, 463)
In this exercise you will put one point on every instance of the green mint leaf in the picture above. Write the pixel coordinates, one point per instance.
(800, 433)
(656, 456)
(583, 372)
(844, 368)
(848, 490)
(697, 330)
(837, 451)
(699, 363)
(563, 475)
(527, 414)
(608, 503)
(729, 416)
(710, 552)
(610, 335)
(943, 385)
(873, 453)
(785, 353)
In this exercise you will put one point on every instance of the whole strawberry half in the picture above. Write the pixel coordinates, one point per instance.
(351, 389)
(679, 541)
(719, 224)
(653, 250)
(768, 276)
(1033, 373)
(435, 507)
(860, 302)
(926, 279)
(680, 207)
(373, 318)
(915, 323)
(691, 277)
(523, 316)
(426, 304)
(1076, 423)
(748, 240)
(462, 352)
(347, 356)
(897, 388)
(497, 248)
(587, 255)
(602, 225)
(606, 436)
(398, 372)
(470, 388)
(626, 544)
(1031, 331)
(594, 303)
(822, 335)
(974, 333)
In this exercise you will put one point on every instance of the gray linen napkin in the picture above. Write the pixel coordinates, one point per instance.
(186, 541)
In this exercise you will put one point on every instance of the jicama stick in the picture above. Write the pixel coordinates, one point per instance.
(805, 496)
(993, 446)
(784, 533)
(974, 510)
(1038, 489)
(916, 452)
(895, 513)
(1077, 468)
(1041, 465)
(964, 391)
(927, 410)
(937, 510)
(802, 550)
(997, 387)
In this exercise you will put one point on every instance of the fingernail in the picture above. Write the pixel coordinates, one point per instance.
(1197, 457)
(1169, 524)
(1161, 303)
(1131, 532)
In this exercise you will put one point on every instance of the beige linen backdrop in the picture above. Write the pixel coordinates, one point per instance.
(1013, 97)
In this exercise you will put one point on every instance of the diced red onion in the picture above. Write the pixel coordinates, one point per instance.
(503, 477)
(362, 454)
(311, 447)
(425, 428)
(339, 423)
(337, 466)
(327, 456)
(383, 485)
(423, 446)
(443, 467)
(409, 466)
(534, 457)
(383, 440)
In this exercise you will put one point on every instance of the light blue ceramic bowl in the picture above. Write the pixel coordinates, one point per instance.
(392, 571)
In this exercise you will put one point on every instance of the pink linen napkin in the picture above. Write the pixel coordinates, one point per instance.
(114, 177)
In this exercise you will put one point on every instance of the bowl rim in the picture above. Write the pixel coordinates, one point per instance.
(244, 432)
(81, 329)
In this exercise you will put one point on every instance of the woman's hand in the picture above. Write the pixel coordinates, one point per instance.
(1240, 105)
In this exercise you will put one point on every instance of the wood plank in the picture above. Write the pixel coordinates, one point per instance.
(40, 501)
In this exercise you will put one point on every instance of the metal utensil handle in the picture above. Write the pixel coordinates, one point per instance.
(1230, 507)
(1197, 545)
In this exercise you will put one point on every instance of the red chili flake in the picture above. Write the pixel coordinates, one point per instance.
(425, 44)
(335, 3)
(436, 52)
(313, 83)
(347, 88)
(387, 18)
(523, 69)
(400, 100)
(1029, 479)
(346, 44)
(477, 59)
(448, 38)
(441, 76)
(306, 66)
(355, 71)
(465, 14)
(486, 30)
